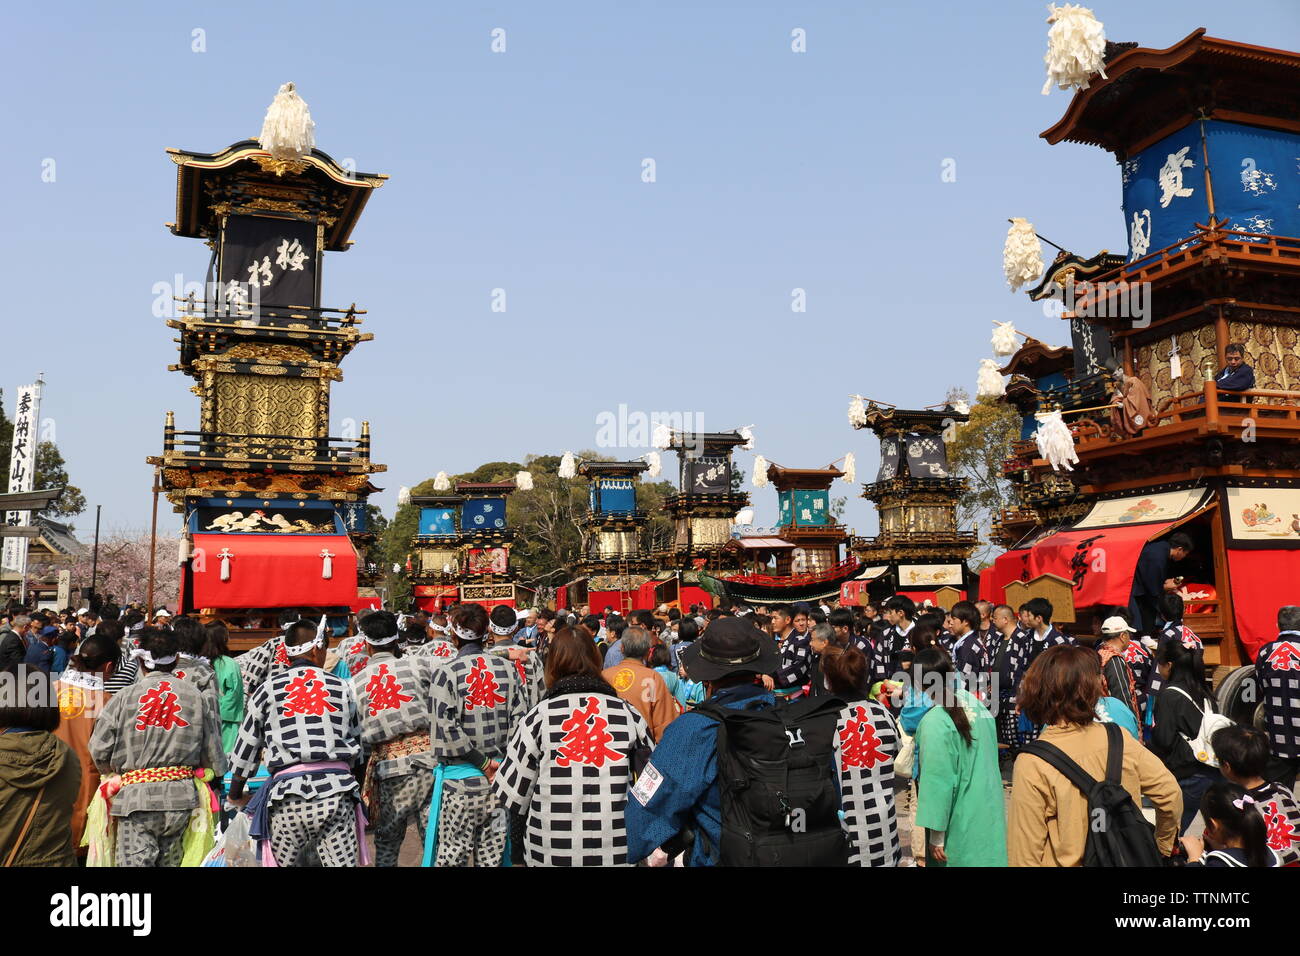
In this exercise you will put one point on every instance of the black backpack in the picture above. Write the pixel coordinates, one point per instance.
(780, 801)
(1118, 834)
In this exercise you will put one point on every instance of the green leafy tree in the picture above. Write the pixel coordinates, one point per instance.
(975, 452)
(51, 472)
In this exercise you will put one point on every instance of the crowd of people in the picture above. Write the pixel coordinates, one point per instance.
(883, 735)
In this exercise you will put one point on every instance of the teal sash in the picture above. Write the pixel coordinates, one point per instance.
(456, 771)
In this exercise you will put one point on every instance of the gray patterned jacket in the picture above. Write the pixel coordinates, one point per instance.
(159, 721)
(393, 699)
(477, 701)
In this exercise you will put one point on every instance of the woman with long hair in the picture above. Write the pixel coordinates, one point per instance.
(81, 698)
(571, 761)
(959, 787)
(230, 683)
(1180, 707)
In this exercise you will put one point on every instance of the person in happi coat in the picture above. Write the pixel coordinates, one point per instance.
(892, 645)
(866, 743)
(1277, 670)
(968, 649)
(393, 692)
(640, 685)
(1243, 759)
(794, 638)
(158, 735)
(82, 698)
(267, 659)
(503, 625)
(571, 762)
(304, 721)
(959, 787)
(478, 700)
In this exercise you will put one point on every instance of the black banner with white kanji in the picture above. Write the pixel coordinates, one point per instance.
(275, 257)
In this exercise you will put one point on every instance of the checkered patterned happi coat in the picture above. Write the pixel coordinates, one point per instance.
(302, 715)
(159, 721)
(394, 696)
(567, 770)
(1277, 669)
(866, 743)
(477, 701)
(261, 663)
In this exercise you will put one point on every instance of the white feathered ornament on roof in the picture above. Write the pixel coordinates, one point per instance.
(656, 464)
(662, 436)
(960, 407)
(744, 516)
(989, 382)
(524, 480)
(568, 467)
(1022, 254)
(441, 482)
(403, 496)
(850, 469)
(1076, 48)
(760, 471)
(287, 130)
(747, 433)
(1055, 443)
(857, 412)
(1004, 339)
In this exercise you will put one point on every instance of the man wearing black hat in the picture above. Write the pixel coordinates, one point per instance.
(677, 791)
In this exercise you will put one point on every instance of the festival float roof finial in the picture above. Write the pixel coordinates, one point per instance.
(1076, 48)
(1004, 339)
(287, 129)
(568, 467)
(989, 383)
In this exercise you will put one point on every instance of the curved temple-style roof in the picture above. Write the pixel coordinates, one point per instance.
(1149, 94)
(195, 219)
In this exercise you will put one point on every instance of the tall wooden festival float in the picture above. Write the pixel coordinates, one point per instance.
(461, 551)
(803, 557)
(615, 570)
(270, 499)
(1206, 135)
(918, 550)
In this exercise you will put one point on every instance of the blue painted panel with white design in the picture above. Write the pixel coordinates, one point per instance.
(483, 514)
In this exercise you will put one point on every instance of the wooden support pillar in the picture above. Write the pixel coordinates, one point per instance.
(1230, 647)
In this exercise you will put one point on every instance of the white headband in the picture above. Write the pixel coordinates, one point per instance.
(441, 628)
(300, 649)
(381, 642)
(503, 631)
(465, 634)
(149, 660)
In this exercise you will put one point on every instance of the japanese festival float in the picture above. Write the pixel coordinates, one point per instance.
(918, 550)
(270, 500)
(614, 566)
(1126, 439)
(804, 559)
(461, 549)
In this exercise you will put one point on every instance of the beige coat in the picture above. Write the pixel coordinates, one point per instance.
(1048, 824)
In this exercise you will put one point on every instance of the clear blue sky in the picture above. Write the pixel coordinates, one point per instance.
(522, 171)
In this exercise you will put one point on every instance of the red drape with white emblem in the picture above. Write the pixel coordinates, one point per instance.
(272, 570)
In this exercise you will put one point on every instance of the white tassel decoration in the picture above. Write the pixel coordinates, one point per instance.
(1022, 254)
(568, 468)
(441, 482)
(186, 549)
(850, 468)
(656, 464)
(327, 563)
(1004, 339)
(403, 496)
(744, 516)
(857, 412)
(989, 383)
(662, 436)
(524, 481)
(1055, 443)
(1175, 360)
(287, 130)
(760, 471)
(747, 433)
(225, 554)
(1076, 48)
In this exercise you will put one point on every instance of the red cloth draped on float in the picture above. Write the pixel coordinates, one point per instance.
(1100, 562)
(1262, 582)
(274, 570)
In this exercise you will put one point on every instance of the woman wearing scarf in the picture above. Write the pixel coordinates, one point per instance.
(571, 761)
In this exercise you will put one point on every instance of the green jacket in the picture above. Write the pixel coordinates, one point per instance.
(32, 763)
